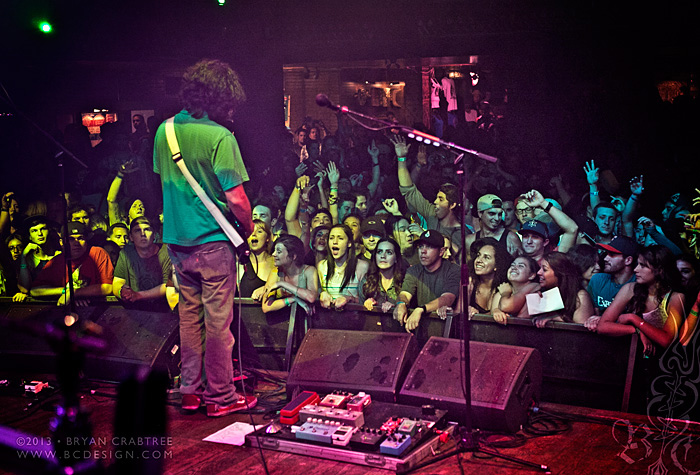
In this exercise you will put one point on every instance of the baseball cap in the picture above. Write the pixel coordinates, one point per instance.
(535, 226)
(76, 227)
(432, 238)
(372, 224)
(621, 245)
(489, 201)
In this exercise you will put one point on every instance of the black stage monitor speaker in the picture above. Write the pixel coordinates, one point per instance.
(504, 380)
(134, 338)
(373, 362)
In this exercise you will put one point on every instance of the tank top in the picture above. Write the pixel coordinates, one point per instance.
(249, 281)
(659, 315)
(333, 283)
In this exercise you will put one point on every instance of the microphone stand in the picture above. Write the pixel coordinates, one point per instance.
(467, 441)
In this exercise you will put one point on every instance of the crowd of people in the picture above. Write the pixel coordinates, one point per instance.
(365, 217)
(383, 225)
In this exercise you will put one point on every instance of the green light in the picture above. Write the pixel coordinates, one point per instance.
(45, 27)
(221, 2)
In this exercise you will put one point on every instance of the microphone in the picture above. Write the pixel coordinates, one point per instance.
(323, 101)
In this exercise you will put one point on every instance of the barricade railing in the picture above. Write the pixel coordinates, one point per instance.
(579, 367)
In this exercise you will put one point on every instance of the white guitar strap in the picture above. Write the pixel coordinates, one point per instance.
(225, 225)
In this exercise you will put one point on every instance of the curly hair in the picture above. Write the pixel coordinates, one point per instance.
(211, 87)
(663, 262)
(371, 287)
(502, 259)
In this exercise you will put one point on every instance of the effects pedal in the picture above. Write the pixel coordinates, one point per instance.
(336, 399)
(359, 402)
(409, 426)
(290, 413)
(345, 417)
(395, 444)
(391, 424)
(342, 435)
(317, 431)
(366, 438)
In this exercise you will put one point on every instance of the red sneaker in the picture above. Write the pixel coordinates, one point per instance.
(191, 402)
(243, 403)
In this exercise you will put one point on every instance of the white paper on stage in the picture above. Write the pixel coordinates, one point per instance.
(233, 434)
(550, 301)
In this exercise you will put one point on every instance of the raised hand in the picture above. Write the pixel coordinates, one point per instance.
(320, 176)
(373, 151)
(637, 185)
(422, 156)
(646, 222)
(356, 180)
(319, 167)
(301, 168)
(391, 206)
(333, 174)
(128, 167)
(7, 199)
(535, 199)
(400, 146)
(592, 173)
(303, 182)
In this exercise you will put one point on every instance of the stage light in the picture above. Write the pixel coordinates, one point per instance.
(45, 27)
(221, 2)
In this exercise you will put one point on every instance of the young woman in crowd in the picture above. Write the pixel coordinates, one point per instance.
(353, 221)
(253, 275)
(511, 296)
(488, 270)
(294, 281)
(341, 272)
(318, 245)
(558, 271)
(382, 284)
(586, 259)
(651, 306)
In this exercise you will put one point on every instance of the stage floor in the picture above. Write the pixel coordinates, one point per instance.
(608, 442)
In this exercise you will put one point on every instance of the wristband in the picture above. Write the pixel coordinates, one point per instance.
(425, 310)
(5, 210)
(548, 207)
(120, 175)
(63, 291)
(401, 301)
(401, 159)
(286, 301)
(633, 198)
(595, 193)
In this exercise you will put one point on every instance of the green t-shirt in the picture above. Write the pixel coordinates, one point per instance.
(212, 156)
